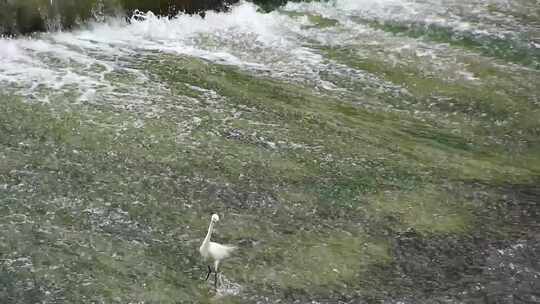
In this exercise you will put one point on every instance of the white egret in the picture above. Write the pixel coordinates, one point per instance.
(215, 251)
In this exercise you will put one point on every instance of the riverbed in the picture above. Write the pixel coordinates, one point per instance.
(356, 151)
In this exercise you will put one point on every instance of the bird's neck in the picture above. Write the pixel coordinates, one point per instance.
(209, 234)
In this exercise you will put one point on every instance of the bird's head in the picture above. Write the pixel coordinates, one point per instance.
(215, 218)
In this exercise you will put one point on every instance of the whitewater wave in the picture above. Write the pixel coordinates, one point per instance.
(243, 37)
(287, 44)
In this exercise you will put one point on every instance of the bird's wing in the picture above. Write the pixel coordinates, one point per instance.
(219, 251)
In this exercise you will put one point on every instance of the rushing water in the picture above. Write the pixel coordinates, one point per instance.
(285, 44)
(431, 101)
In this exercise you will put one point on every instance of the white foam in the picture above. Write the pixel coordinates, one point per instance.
(461, 16)
(243, 37)
(9, 50)
(368, 8)
(277, 44)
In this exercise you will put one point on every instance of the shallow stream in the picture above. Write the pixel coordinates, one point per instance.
(358, 151)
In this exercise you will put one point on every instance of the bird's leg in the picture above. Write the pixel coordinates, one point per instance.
(209, 272)
(216, 269)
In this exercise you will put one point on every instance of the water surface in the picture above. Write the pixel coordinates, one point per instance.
(357, 151)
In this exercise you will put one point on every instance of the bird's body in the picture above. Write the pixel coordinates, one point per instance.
(214, 251)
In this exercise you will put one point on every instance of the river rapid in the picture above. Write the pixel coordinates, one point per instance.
(359, 151)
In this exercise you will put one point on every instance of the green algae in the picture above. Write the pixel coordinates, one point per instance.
(425, 210)
(296, 171)
(507, 48)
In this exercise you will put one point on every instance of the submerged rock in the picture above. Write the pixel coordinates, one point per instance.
(27, 16)
(173, 7)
